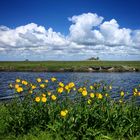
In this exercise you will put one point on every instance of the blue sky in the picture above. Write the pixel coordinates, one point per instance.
(25, 18)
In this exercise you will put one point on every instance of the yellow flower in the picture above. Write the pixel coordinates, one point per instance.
(46, 81)
(33, 87)
(53, 79)
(60, 90)
(44, 99)
(71, 85)
(135, 90)
(53, 97)
(24, 82)
(110, 87)
(122, 93)
(120, 101)
(30, 91)
(135, 93)
(92, 95)
(66, 110)
(63, 113)
(67, 87)
(99, 96)
(10, 85)
(61, 84)
(91, 87)
(18, 80)
(84, 88)
(89, 101)
(106, 94)
(42, 85)
(19, 89)
(37, 99)
(80, 89)
(44, 95)
(74, 89)
(49, 93)
(16, 86)
(38, 80)
(84, 93)
(138, 93)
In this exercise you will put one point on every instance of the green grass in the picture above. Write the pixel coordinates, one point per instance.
(56, 65)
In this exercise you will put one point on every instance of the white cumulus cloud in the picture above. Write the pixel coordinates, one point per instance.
(89, 35)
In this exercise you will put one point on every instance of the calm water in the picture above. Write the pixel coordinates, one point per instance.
(121, 81)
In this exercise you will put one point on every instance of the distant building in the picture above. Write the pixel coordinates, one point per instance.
(94, 58)
(26, 60)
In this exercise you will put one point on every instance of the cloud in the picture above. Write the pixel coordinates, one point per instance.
(115, 36)
(89, 35)
(81, 29)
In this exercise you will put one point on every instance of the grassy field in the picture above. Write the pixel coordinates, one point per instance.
(57, 65)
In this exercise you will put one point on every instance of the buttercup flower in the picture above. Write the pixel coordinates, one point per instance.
(38, 80)
(135, 93)
(80, 89)
(16, 86)
(61, 84)
(49, 93)
(99, 96)
(106, 94)
(63, 113)
(67, 87)
(18, 80)
(44, 99)
(135, 90)
(60, 90)
(110, 87)
(92, 95)
(46, 81)
(71, 85)
(44, 95)
(122, 93)
(42, 85)
(37, 99)
(91, 87)
(24, 82)
(74, 89)
(53, 79)
(10, 85)
(19, 89)
(84, 93)
(33, 87)
(53, 97)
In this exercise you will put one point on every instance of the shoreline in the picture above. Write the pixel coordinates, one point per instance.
(88, 69)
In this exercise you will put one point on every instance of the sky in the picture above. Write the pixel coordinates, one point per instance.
(69, 29)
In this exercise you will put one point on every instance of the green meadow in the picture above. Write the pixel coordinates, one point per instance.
(57, 65)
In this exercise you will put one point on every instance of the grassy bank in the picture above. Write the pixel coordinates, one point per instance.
(52, 109)
(60, 65)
